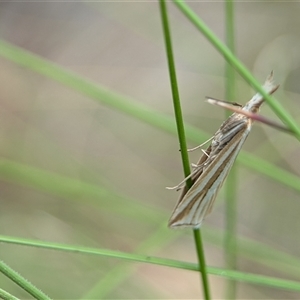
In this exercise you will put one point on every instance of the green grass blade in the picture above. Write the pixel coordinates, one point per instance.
(175, 91)
(229, 274)
(7, 296)
(22, 282)
(182, 140)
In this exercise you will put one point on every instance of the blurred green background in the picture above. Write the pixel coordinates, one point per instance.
(48, 126)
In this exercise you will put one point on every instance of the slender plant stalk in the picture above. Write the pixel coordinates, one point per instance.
(234, 275)
(230, 240)
(182, 140)
(175, 92)
(22, 282)
(202, 264)
(7, 296)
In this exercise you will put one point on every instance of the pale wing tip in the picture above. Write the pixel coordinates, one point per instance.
(173, 224)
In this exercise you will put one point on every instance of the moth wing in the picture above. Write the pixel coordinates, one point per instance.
(194, 204)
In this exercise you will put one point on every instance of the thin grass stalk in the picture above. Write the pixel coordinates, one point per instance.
(22, 282)
(182, 139)
(235, 275)
(7, 296)
(202, 264)
(230, 239)
(175, 92)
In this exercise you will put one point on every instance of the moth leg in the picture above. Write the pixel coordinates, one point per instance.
(196, 167)
(205, 152)
(182, 183)
(199, 146)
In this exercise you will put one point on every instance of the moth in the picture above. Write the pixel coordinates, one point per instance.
(210, 172)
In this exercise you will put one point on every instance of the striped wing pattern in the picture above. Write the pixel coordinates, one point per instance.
(197, 202)
(214, 165)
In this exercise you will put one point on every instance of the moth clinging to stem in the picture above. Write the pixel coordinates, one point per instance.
(211, 170)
